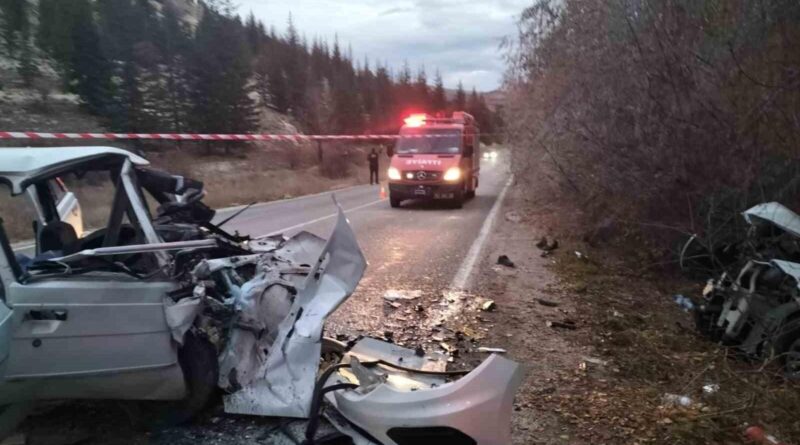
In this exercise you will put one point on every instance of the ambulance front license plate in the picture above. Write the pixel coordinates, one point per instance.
(420, 192)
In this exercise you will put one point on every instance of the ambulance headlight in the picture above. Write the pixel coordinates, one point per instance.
(394, 174)
(453, 174)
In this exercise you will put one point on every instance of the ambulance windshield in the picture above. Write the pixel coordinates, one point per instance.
(428, 141)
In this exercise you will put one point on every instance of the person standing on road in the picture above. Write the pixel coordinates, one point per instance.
(373, 167)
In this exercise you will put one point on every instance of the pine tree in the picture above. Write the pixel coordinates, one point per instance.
(404, 91)
(57, 22)
(293, 62)
(125, 25)
(27, 63)
(89, 72)
(367, 86)
(476, 106)
(460, 102)
(439, 99)
(387, 112)
(422, 91)
(168, 90)
(348, 115)
(254, 33)
(220, 68)
(277, 83)
(16, 25)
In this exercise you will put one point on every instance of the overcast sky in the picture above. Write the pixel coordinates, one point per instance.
(460, 37)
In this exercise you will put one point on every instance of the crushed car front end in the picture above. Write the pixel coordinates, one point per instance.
(221, 312)
(756, 309)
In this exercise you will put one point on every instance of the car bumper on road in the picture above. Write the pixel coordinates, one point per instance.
(424, 191)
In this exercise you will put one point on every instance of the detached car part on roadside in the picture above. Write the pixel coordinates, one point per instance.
(757, 309)
(170, 307)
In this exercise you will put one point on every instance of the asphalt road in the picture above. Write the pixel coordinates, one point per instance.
(417, 250)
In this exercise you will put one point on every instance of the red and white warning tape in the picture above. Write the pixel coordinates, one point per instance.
(203, 137)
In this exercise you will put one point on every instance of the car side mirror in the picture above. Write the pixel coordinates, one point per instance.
(390, 151)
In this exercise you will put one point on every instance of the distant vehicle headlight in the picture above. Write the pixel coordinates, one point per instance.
(493, 155)
(486, 155)
(394, 174)
(454, 174)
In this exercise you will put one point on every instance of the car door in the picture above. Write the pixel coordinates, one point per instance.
(8, 275)
(97, 335)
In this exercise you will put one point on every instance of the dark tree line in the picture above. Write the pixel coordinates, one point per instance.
(142, 67)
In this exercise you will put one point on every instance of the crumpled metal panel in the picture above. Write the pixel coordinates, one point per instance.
(478, 404)
(181, 315)
(284, 383)
(776, 214)
(789, 268)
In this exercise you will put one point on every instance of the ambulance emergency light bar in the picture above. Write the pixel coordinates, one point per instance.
(421, 119)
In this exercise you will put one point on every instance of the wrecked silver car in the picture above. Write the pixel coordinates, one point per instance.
(757, 308)
(162, 305)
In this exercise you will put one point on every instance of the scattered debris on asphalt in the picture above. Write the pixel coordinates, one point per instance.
(395, 295)
(594, 361)
(492, 350)
(513, 217)
(547, 245)
(547, 303)
(504, 260)
(566, 324)
(488, 306)
(581, 256)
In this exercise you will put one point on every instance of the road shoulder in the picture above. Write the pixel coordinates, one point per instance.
(607, 350)
(519, 323)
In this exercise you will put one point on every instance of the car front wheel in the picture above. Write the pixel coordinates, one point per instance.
(198, 360)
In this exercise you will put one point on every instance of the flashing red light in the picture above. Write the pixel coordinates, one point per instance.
(416, 120)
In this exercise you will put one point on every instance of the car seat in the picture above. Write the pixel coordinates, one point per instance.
(58, 236)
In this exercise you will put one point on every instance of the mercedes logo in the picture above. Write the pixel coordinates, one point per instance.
(422, 176)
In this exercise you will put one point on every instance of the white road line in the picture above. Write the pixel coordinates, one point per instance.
(22, 246)
(277, 232)
(461, 280)
(314, 221)
(283, 201)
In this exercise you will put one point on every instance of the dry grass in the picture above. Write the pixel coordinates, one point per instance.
(654, 350)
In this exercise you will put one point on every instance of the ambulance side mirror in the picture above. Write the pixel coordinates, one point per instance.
(468, 147)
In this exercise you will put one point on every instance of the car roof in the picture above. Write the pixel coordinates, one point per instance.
(21, 166)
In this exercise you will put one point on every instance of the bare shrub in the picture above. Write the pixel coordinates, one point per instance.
(336, 161)
(676, 114)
